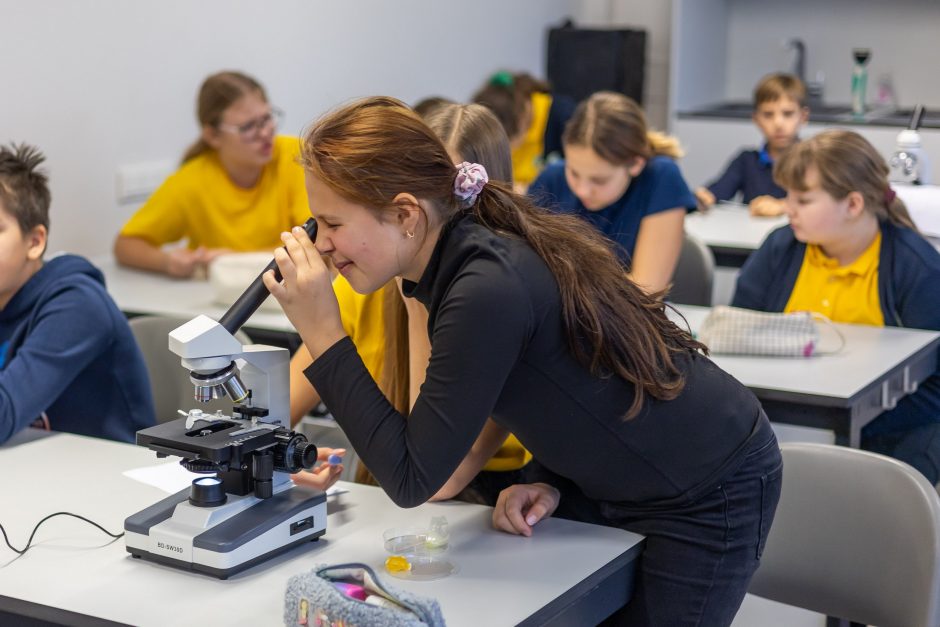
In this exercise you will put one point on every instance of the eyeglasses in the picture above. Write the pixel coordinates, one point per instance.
(252, 129)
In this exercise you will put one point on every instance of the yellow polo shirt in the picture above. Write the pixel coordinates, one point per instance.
(363, 321)
(200, 203)
(841, 293)
(527, 156)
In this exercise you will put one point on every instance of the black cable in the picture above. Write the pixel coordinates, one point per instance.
(36, 528)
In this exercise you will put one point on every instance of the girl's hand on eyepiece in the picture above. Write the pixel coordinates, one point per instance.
(306, 292)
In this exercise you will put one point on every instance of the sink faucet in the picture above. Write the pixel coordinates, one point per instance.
(799, 63)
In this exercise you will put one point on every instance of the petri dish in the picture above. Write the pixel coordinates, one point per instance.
(426, 553)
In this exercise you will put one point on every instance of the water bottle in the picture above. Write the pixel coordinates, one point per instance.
(859, 80)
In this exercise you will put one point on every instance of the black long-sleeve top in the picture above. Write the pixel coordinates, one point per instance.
(499, 348)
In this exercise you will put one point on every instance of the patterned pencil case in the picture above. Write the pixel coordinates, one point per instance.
(352, 595)
(736, 331)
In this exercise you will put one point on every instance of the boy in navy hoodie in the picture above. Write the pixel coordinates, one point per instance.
(780, 112)
(68, 360)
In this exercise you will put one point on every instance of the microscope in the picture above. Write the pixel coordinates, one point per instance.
(909, 163)
(245, 509)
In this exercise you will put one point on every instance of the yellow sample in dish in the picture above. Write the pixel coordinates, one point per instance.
(396, 564)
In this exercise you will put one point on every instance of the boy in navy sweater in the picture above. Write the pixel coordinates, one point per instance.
(68, 360)
(779, 112)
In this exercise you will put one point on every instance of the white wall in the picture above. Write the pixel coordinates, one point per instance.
(107, 83)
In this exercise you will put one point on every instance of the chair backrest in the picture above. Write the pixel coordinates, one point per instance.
(856, 536)
(169, 381)
(694, 274)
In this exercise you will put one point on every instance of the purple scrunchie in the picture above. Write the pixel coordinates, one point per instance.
(890, 195)
(471, 177)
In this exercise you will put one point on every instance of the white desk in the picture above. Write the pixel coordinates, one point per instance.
(566, 574)
(843, 391)
(140, 293)
(731, 232)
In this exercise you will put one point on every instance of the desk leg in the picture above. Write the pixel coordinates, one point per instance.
(848, 433)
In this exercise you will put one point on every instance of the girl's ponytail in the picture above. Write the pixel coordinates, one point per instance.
(896, 211)
(666, 145)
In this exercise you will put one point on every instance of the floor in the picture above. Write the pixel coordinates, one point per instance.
(758, 612)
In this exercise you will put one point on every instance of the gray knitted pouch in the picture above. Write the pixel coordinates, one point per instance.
(354, 596)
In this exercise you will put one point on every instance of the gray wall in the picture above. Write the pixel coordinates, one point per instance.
(904, 37)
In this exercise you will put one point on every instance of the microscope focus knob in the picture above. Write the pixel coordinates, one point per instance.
(294, 453)
(305, 455)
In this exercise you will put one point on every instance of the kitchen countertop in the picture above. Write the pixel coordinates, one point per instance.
(825, 114)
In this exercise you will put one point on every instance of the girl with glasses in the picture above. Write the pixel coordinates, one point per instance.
(239, 186)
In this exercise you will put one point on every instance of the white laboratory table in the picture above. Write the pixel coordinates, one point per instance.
(567, 573)
(731, 232)
(843, 391)
(138, 293)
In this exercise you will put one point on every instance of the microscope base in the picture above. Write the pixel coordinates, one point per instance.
(224, 540)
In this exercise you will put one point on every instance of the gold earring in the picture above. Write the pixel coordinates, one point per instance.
(410, 234)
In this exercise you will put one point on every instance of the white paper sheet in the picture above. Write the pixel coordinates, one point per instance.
(171, 477)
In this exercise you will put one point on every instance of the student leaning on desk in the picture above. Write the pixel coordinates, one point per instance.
(68, 360)
(622, 178)
(779, 112)
(238, 187)
(852, 253)
(534, 324)
(390, 332)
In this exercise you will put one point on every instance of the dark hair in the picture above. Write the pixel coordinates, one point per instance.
(372, 149)
(426, 105)
(614, 126)
(846, 162)
(507, 95)
(773, 87)
(217, 93)
(24, 189)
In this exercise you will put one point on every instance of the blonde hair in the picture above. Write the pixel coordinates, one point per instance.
(846, 162)
(614, 126)
(773, 87)
(472, 132)
(217, 93)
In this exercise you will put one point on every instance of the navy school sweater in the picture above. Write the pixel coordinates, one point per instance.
(67, 352)
(908, 288)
